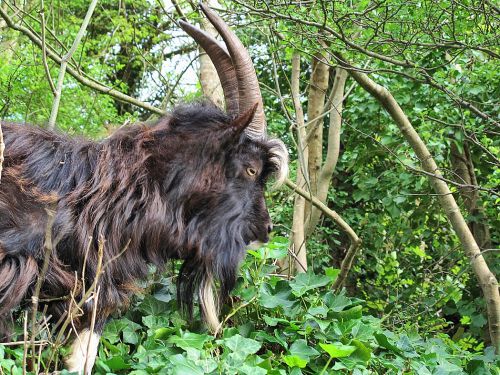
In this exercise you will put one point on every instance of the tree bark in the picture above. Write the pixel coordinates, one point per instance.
(486, 278)
(333, 148)
(209, 79)
(463, 168)
(315, 107)
(298, 238)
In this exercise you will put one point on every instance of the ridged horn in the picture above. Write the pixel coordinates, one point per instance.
(248, 85)
(222, 62)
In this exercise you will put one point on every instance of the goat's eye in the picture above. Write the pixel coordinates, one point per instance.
(251, 171)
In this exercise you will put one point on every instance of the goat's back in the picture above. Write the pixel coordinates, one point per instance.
(52, 161)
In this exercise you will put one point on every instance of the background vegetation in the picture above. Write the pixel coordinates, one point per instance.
(411, 301)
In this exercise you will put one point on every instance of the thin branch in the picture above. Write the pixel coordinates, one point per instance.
(424, 172)
(16, 343)
(25, 343)
(92, 326)
(75, 73)
(48, 247)
(298, 240)
(64, 64)
(355, 240)
(349, 43)
(232, 313)
(328, 29)
(76, 306)
(44, 50)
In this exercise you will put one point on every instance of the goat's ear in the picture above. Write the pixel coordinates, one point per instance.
(243, 120)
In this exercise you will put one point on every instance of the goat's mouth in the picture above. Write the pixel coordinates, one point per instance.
(254, 240)
(254, 245)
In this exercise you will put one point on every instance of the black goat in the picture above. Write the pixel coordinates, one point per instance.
(189, 187)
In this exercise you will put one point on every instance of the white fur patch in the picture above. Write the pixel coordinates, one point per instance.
(279, 157)
(208, 304)
(83, 353)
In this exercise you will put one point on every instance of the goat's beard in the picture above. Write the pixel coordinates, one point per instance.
(213, 261)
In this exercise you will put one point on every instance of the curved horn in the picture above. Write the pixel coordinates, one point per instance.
(248, 85)
(222, 62)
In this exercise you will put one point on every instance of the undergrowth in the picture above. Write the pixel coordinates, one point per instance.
(272, 326)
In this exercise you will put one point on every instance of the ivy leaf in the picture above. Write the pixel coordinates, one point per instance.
(351, 314)
(405, 345)
(276, 339)
(189, 340)
(338, 350)
(384, 342)
(304, 282)
(242, 345)
(152, 306)
(277, 249)
(337, 303)
(332, 273)
(183, 366)
(295, 361)
(114, 328)
(152, 321)
(301, 349)
(362, 352)
(251, 370)
(117, 364)
(272, 322)
(277, 297)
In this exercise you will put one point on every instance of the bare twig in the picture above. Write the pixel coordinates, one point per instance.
(16, 343)
(298, 262)
(232, 313)
(75, 73)
(92, 326)
(298, 239)
(44, 49)
(355, 240)
(48, 247)
(76, 306)
(25, 340)
(64, 64)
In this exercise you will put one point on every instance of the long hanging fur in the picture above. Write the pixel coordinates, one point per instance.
(177, 189)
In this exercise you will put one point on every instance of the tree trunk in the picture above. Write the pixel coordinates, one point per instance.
(464, 171)
(333, 150)
(315, 108)
(298, 238)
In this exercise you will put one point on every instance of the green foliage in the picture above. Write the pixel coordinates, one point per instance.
(422, 312)
(276, 327)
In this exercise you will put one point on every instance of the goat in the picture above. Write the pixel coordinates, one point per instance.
(189, 187)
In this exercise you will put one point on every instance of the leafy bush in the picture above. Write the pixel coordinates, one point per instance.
(274, 326)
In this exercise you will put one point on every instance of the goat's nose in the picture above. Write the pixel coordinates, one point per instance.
(269, 228)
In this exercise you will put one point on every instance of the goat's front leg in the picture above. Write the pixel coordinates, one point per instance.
(83, 352)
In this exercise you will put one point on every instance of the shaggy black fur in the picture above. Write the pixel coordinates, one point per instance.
(181, 188)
